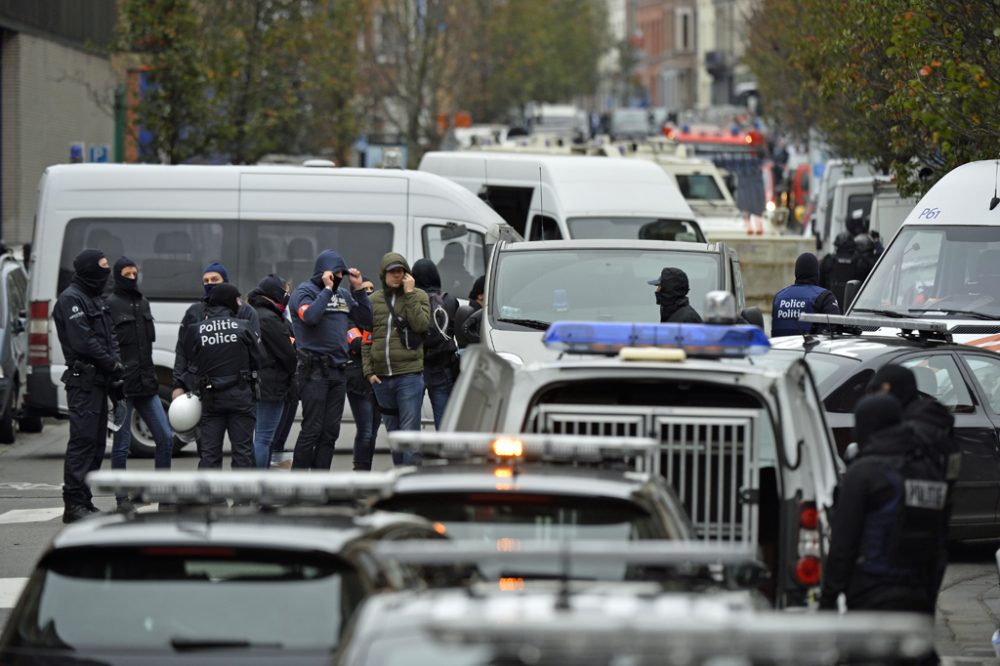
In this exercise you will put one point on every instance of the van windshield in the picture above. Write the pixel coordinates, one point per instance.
(593, 285)
(939, 272)
(699, 186)
(642, 228)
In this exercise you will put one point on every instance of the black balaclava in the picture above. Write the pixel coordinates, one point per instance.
(426, 276)
(90, 276)
(807, 269)
(214, 267)
(873, 414)
(122, 282)
(674, 288)
(226, 295)
(902, 382)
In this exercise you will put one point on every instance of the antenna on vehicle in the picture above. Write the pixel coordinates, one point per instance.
(541, 203)
(995, 200)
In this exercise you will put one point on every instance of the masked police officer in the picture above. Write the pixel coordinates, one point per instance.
(889, 522)
(802, 297)
(837, 268)
(86, 333)
(227, 355)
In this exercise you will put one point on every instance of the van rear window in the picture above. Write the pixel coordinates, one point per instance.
(172, 253)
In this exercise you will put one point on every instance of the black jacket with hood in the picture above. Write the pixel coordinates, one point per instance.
(673, 300)
(277, 367)
(426, 276)
(133, 321)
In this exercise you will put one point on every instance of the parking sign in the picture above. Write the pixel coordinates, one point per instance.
(99, 152)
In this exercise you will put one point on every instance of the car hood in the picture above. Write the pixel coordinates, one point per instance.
(526, 345)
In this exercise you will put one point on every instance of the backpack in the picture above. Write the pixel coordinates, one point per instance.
(440, 346)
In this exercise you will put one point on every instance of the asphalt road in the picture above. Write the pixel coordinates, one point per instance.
(31, 508)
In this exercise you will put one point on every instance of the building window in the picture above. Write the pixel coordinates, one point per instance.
(684, 25)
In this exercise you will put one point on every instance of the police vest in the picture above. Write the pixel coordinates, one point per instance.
(222, 356)
(843, 272)
(789, 303)
(904, 536)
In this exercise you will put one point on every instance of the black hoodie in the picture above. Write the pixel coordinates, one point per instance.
(673, 300)
(278, 351)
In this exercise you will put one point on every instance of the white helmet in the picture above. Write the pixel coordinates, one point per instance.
(184, 414)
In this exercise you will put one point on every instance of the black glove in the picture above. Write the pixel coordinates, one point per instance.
(116, 390)
(118, 371)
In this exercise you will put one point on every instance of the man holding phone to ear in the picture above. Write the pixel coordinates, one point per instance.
(322, 312)
(394, 361)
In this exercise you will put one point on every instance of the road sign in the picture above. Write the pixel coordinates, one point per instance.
(100, 152)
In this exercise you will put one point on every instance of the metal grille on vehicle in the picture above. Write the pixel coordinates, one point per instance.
(708, 455)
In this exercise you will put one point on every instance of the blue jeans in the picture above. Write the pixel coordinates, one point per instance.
(439, 383)
(366, 422)
(403, 395)
(151, 410)
(268, 418)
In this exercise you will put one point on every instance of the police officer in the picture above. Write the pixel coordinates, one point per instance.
(185, 372)
(322, 313)
(804, 296)
(86, 334)
(135, 332)
(227, 355)
(864, 255)
(889, 522)
(671, 295)
(838, 268)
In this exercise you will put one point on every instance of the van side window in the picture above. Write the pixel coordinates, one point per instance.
(459, 259)
(170, 253)
(544, 227)
(290, 248)
(510, 203)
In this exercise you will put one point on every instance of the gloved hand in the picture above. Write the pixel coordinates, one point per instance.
(116, 390)
(118, 371)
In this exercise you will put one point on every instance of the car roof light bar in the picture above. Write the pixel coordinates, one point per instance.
(650, 552)
(920, 326)
(205, 487)
(533, 447)
(697, 340)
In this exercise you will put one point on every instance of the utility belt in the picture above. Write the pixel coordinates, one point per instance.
(309, 361)
(87, 373)
(243, 379)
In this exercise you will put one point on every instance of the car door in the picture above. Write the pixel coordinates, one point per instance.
(976, 491)
(984, 371)
(17, 302)
(479, 398)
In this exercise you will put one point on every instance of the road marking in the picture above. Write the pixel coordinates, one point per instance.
(29, 515)
(10, 590)
(28, 486)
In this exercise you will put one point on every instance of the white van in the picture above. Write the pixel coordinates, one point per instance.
(821, 223)
(174, 220)
(943, 264)
(889, 209)
(851, 200)
(554, 197)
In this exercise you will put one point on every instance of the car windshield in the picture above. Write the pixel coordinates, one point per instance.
(632, 228)
(939, 272)
(186, 598)
(823, 366)
(593, 285)
(699, 186)
(512, 517)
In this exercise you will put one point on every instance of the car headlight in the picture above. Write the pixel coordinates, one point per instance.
(513, 359)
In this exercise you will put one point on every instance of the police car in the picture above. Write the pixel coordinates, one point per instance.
(549, 489)
(209, 585)
(745, 447)
(532, 284)
(964, 378)
(584, 623)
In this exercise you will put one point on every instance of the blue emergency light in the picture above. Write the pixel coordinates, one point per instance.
(704, 340)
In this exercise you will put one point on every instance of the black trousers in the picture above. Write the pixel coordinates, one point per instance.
(88, 437)
(231, 411)
(322, 393)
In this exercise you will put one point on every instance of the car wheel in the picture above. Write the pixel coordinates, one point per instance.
(7, 418)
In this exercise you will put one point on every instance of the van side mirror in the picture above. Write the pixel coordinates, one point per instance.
(753, 316)
(850, 291)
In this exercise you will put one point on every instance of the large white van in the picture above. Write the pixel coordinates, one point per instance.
(943, 265)
(555, 197)
(821, 223)
(174, 220)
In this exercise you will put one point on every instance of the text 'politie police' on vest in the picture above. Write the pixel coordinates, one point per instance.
(213, 332)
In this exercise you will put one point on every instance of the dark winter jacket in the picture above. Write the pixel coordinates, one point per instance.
(85, 330)
(322, 316)
(223, 349)
(278, 351)
(442, 354)
(387, 355)
(672, 298)
(185, 370)
(136, 333)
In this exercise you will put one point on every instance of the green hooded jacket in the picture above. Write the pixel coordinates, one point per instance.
(386, 356)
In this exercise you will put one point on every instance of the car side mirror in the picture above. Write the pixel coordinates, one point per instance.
(753, 316)
(17, 326)
(850, 291)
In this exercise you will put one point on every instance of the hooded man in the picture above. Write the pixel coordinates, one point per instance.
(185, 372)
(86, 334)
(394, 362)
(804, 296)
(277, 371)
(322, 312)
(671, 294)
(838, 268)
(440, 347)
(890, 524)
(227, 355)
(134, 329)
